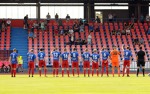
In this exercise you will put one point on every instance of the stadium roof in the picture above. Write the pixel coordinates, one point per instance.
(71, 1)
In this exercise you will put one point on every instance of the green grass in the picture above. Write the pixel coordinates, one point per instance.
(22, 84)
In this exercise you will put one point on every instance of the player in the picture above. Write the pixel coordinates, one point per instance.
(115, 60)
(64, 62)
(95, 62)
(86, 62)
(105, 57)
(127, 59)
(13, 60)
(75, 61)
(56, 58)
(140, 61)
(31, 62)
(41, 58)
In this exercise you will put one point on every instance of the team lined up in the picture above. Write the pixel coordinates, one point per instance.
(87, 58)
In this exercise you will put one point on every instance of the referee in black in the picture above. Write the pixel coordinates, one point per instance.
(141, 61)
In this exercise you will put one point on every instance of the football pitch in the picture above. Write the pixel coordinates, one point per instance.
(22, 84)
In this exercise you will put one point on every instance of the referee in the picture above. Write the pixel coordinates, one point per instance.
(141, 61)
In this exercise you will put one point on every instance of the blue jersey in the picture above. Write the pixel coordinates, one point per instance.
(127, 54)
(86, 56)
(65, 56)
(56, 55)
(105, 55)
(31, 57)
(95, 57)
(74, 56)
(41, 55)
(14, 56)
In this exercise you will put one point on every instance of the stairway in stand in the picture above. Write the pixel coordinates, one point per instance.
(19, 40)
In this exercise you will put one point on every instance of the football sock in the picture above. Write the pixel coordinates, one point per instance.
(68, 72)
(62, 73)
(45, 71)
(73, 72)
(137, 72)
(127, 71)
(119, 72)
(123, 71)
(97, 73)
(53, 72)
(14, 73)
(88, 72)
(56, 71)
(11, 72)
(32, 72)
(113, 72)
(107, 70)
(40, 72)
(29, 71)
(84, 72)
(143, 72)
(102, 71)
(78, 71)
(92, 72)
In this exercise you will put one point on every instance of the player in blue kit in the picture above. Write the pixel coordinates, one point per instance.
(64, 62)
(127, 59)
(86, 62)
(13, 61)
(95, 62)
(75, 61)
(105, 57)
(56, 58)
(41, 58)
(31, 62)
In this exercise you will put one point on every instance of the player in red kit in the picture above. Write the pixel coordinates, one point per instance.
(64, 62)
(86, 62)
(56, 57)
(105, 57)
(13, 60)
(127, 60)
(95, 62)
(41, 58)
(31, 62)
(75, 61)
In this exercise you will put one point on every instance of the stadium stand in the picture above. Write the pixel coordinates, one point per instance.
(102, 38)
(5, 39)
